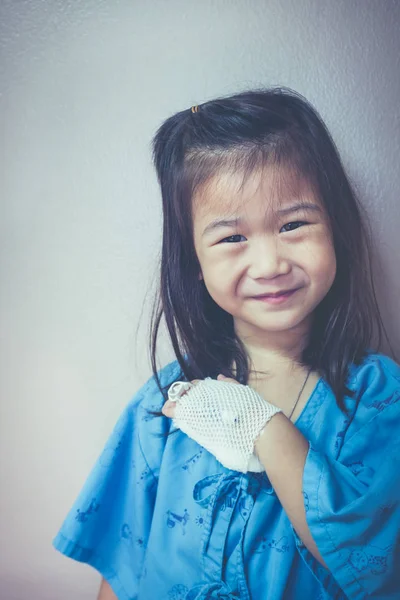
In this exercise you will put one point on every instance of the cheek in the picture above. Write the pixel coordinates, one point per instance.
(323, 265)
(220, 270)
(221, 282)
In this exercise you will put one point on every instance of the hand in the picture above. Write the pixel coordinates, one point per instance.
(169, 407)
(223, 416)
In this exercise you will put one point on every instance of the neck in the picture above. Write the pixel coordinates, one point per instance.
(274, 353)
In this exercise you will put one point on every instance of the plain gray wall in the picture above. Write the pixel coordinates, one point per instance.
(84, 84)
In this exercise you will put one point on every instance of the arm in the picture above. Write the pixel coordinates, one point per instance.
(343, 507)
(352, 507)
(105, 592)
(282, 449)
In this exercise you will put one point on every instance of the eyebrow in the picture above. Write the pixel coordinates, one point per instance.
(219, 223)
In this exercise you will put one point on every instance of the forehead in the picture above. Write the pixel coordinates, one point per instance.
(233, 192)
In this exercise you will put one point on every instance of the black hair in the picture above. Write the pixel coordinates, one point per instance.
(244, 132)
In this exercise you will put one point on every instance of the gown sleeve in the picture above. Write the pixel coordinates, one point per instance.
(352, 503)
(109, 523)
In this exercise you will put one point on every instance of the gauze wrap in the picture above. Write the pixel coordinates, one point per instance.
(225, 418)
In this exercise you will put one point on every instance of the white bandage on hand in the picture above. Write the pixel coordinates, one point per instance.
(225, 418)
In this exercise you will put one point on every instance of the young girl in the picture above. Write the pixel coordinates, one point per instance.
(271, 470)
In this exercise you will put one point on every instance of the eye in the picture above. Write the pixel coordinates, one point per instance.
(230, 239)
(295, 225)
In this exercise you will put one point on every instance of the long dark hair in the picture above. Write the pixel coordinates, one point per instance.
(246, 131)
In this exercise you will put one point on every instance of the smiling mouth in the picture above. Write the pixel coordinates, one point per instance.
(277, 294)
(276, 300)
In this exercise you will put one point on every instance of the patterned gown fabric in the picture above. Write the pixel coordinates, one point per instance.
(160, 518)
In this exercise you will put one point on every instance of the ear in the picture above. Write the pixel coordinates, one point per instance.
(200, 276)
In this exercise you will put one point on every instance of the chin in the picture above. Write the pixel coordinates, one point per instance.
(277, 328)
(276, 323)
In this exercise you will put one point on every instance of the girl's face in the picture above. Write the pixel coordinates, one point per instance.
(260, 240)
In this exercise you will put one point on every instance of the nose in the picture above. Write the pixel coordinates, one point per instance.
(267, 259)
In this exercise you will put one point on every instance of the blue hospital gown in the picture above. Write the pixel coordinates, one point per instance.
(161, 518)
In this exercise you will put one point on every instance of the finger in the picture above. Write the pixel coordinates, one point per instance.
(227, 379)
(169, 409)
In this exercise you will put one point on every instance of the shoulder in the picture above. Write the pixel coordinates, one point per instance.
(376, 384)
(376, 374)
(149, 396)
(153, 429)
(138, 416)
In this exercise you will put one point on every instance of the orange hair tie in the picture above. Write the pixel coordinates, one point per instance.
(195, 109)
